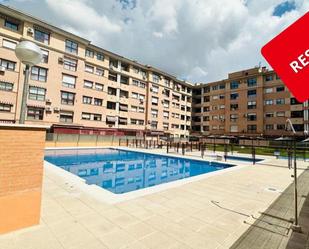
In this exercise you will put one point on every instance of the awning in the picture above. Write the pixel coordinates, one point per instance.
(36, 106)
(6, 102)
(111, 119)
(123, 108)
(124, 120)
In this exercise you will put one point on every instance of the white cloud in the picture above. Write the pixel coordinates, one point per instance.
(199, 40)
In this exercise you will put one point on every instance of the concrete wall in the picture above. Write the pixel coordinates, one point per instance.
(21, 171)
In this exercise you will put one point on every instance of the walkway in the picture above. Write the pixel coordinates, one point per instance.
(272, 228)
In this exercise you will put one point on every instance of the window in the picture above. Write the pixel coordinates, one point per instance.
(234, 84)
(89, 53)
(99, 87)
(280, 89)
(234, 96)
(123, 121)
(268, 90)
(89, 69)
(113, 63)
(280, 126)
(135, 95)
(251, 128)
(137, 121)
(269, 77)
(69, 64)
(155, 78)
(124, 94)
(11, 25)
(136, 70)
(251, 104)
(35, 113)
(268, 102)
(280, 101)
(99, 71)
(66, 117)
(222, 86)
(91, 116)
(216, 87)
(87, 100)
(155, 89)
(233, 117)
(67, 98)
(234, 107)
(269, 127)
(38, 73)
(41, 36)
(86, 116)
(123, 108)
(124, 80)
(71, 46)
(165, 126)
(88, 84)
(251, 93)
(111, 105)
(251, 82)
(8, 65)
(166, 104)
(154, 125)
(124, 67)
(112, 76)
(37, 93)
(112, 91)
(45, 55)
(269, 115)
(9, 44)
(294, 101)
(68, 81)
(297, 114)
(154, 113)
(154, 100)
(98, 102)
(100, 57)
(166, 115)
(5, 107)
(280, 114)
(167, 82)
(251, 116)
(6, 86)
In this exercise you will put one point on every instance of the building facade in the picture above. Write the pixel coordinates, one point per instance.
(79, 86)
(251, 102)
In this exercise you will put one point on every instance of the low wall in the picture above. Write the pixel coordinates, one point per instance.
(21, 171)
(81, 140)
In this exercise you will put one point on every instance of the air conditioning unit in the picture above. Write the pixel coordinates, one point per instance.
(60, 59)
(30, 31)
(2, 69)
(56, 109)
(151, 89)
(48, 101)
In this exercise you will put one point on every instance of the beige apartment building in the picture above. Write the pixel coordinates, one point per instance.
(81, 88)
(251, 102)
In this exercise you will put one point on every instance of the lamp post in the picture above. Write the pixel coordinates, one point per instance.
(29, 54)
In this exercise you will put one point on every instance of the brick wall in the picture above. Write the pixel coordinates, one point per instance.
(21, 171)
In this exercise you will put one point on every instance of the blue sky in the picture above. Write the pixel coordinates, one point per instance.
(197, 40)
(284, 7)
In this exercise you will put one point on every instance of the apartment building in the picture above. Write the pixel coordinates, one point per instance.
(251, 102)
(80, 87)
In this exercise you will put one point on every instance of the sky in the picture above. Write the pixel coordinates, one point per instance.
(195, 40)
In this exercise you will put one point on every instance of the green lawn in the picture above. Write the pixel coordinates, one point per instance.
(258, 150)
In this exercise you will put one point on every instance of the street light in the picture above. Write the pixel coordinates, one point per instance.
(29, 54)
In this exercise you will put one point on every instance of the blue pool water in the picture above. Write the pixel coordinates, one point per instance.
(121, 171)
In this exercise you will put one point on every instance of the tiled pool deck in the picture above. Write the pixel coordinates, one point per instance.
(208, 213)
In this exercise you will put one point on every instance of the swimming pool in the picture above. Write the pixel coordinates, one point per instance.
(121, 171)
